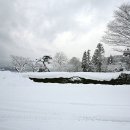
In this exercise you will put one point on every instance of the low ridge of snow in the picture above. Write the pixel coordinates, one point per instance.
(26, 105)
(87, 75)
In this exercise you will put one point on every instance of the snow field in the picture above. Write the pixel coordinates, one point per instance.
(26, 105)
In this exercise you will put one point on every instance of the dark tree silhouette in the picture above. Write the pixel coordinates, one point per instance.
(44, 60)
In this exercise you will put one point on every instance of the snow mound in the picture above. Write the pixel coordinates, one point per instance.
(86, 75)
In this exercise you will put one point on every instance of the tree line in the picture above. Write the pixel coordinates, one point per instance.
(60, 62)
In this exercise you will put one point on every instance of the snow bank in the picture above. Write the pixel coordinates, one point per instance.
(86, 75)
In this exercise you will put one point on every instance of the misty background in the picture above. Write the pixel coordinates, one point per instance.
(33, 28)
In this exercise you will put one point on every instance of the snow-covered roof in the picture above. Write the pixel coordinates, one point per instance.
(126, 52)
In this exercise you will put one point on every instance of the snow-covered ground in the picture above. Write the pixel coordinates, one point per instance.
(88, 75)
(26, 105)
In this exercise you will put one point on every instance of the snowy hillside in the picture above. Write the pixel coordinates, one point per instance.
(26, 105)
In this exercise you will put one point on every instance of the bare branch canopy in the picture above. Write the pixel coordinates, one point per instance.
(118, 30)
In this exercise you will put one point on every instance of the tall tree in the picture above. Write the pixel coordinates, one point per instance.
(97, 58)
(118, 30)
(89, 64)
(86, 61)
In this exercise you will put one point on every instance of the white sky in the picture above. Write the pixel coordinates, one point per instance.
(33, 28)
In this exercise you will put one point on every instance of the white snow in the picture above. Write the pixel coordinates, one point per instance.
(87, 75)
(26, 105)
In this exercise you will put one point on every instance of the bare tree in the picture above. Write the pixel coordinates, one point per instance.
(32, 65)
(118, 33)
(59, 61)
(19, 63)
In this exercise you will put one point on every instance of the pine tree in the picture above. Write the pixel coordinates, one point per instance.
(95, 60)
(89, 65)
(86, 61)
(98, 57)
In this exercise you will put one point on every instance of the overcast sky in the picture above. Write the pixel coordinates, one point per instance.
(33, 28)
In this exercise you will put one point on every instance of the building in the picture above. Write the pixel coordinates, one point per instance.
(126, 52)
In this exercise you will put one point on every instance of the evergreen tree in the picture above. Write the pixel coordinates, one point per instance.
(97, 58)
(89, 65)
(86, 61)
